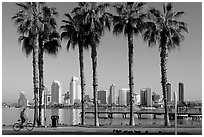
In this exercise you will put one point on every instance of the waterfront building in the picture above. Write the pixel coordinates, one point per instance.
(75, 91)
(155, 97)
(146, 97)
(22, 101)
(112, 96)
(67, 98)
(87, 98)
(102, 97)
(168, 86)
(122, 98)
(136, 99)
(181, 92)
(49, 98)
(56, 93)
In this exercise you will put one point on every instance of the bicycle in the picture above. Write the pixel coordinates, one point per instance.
(18, 126)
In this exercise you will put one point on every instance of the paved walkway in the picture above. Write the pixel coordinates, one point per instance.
(75, 130)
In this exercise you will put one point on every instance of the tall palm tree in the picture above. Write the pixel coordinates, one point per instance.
(49, 43)
(165, 29)
(129, 21)
(74, 33)
(27, 21)
(95, 19)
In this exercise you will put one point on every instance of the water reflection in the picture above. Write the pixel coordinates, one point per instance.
(74, 116)
(67, 116)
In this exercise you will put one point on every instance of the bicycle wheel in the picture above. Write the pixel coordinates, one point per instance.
(29, 126)
(16, 127)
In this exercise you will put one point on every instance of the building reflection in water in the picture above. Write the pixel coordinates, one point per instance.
(67, 116)
(74, 116)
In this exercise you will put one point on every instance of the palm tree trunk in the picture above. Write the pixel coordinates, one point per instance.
(163, 57)
(35, 81)
(131, 78)
(95, 84)
(41, 82)
(81, 62)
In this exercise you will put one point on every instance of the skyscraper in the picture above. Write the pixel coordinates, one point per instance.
(181, 92)
(136, 98)
(75, 91)
(168, 92)
(122, 98)
(102, 97)
(56, 93)
(112, 96)
(146, 97)
(22, 101)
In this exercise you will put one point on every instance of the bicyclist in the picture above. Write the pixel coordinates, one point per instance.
(23, 116)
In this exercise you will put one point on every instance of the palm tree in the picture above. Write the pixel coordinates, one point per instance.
(27, 21)
(129, 21)
(94, 18)
(74, 33)
(165, 29)
(49, 43)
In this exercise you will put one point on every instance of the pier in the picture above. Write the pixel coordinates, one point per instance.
(110, 114)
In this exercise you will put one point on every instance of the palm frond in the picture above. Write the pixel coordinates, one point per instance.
(178, 14)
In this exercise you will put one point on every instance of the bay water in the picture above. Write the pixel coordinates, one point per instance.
(70, 116)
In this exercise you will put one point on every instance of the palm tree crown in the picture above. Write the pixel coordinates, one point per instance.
(166, 25)
(73, 32)
(129, 19)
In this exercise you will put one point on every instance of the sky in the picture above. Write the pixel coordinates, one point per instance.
(184, 64)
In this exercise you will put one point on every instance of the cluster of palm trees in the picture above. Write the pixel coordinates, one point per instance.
(84, 28)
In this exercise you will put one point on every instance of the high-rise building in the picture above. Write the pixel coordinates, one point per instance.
(67, 98)
(181, 92)
(56, 93)
(168, 86)
(22, 101)
(112, 96)
(75, 91)
(102, 97)
(155, 97)
(122, 98)
(146, 97)
(136, 99)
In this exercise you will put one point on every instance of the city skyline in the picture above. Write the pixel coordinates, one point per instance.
(184, 65)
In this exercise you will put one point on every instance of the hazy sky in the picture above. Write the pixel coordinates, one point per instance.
(184, 64)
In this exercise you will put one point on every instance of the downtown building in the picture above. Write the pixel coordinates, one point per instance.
(136, 99)
(155, 97)
(67, 98)
(123, 97)
(102, 97)
(112, 96)
(56, 93)
(146, 97)
(75, 91)
(22, 101)
(181, 92)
